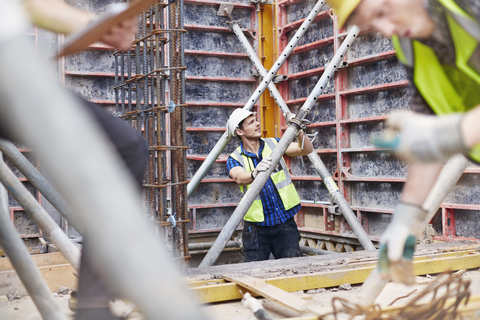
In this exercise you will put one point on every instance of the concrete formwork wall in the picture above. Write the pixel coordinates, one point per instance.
(218, 80)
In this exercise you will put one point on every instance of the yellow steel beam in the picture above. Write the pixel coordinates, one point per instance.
(269, 112)
(230, 291)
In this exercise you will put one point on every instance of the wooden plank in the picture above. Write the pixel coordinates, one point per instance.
(321, 245)
(435, 263)
(40, 260)
(311, 243)
(329, 245)
(55, 276)
(348, 248)
(339, 247)
(261, 287)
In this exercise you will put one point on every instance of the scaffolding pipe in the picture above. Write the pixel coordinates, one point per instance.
(38, 181)
(257, 185)
(221, 144)
(41, 218)
(93, 179)
(208, 245)
(310, 250)
(314, 158)
(27, 270)
(340, 200)
(448, 177)
(258, 65)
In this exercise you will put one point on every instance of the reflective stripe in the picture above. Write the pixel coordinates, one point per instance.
(282, 184)
(464, 20)
(238, 156)
(272, 144)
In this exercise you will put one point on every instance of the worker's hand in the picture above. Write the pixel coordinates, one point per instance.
(262, 166)
(423, 138)
(398, 243)
(121, 35)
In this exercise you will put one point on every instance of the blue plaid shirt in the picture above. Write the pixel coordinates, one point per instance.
(273, 208)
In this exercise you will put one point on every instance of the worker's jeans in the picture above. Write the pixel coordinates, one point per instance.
(280, 240)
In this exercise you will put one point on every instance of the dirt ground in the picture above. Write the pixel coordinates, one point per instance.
(24, 309)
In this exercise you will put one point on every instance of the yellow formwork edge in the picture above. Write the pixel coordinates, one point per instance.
(230, 291)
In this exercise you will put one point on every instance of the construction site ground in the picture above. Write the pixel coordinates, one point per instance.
(24, 308)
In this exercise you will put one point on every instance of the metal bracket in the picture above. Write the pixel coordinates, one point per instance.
(334, 209)
(342, 65)
(225, 10)
(279, 78)
(261, 2)
(301, 123)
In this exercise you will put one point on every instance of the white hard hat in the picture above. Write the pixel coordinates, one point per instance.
(237, 116)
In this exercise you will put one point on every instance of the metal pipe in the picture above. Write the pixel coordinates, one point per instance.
(258, 65)
(448, 177)
(276, 155)
(39, 182)
(93, 179)
(41, 218)
(27, 270)
(310, 250)
(220, 146)
(208, 245)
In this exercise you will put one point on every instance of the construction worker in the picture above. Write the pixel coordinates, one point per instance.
(269, 227)
(437, 41)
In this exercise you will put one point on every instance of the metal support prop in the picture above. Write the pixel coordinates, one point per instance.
(449, 176)
(223, 141)
(4, 194)
(310, 250)
(27, 270)
(93, 179)
(276, 155)
(41, 218)
(38, 181)
(314, 157)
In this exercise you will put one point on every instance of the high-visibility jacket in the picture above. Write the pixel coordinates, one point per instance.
(447, 88)
(280, 177)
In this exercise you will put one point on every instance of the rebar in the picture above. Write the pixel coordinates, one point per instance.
(157, 58)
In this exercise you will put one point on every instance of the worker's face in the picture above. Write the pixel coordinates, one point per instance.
(404, 18)
(250, 129)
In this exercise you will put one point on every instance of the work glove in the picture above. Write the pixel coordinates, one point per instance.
(262, 166)
(424, 138)
(398, 243)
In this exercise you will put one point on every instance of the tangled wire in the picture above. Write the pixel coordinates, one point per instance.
(448, 292)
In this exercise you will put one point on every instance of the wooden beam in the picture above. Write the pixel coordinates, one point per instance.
(422, 265)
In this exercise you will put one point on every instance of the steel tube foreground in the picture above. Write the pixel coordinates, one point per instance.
(277, 154)
(223, 141)
(38, 181)
(94, 181)
(41, 218)
(27, 270)
(314, 157)
(449, 176)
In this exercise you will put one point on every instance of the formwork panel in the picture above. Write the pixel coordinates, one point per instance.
(378, 222)
(377, 164)
(201, 143)
(227, 67)
(326, 137)
(311, 59)
(215, 193)
(383, 195)
(202, 91)
(363, 135)
(368, 44)
(300, 10)
(91, 61)
(13, 203)
(207, 116)
(207, 15)
(376, 73)
(302, 167)
(466, 191)
(212, 218)
(212, 41)
(322, 111)
(92, 88)
(314, 218)
(301, 88)
(24, 224)
(466, 223)
(218, 170)
(378, 103)
(312, 190)
(319, 30)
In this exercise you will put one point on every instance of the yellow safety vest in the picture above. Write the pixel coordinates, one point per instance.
(447, 88)
(281, 179)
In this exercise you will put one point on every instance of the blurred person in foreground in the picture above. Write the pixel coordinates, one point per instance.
(437, 41)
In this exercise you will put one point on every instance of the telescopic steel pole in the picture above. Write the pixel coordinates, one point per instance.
(276, 155)
(220, 146)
